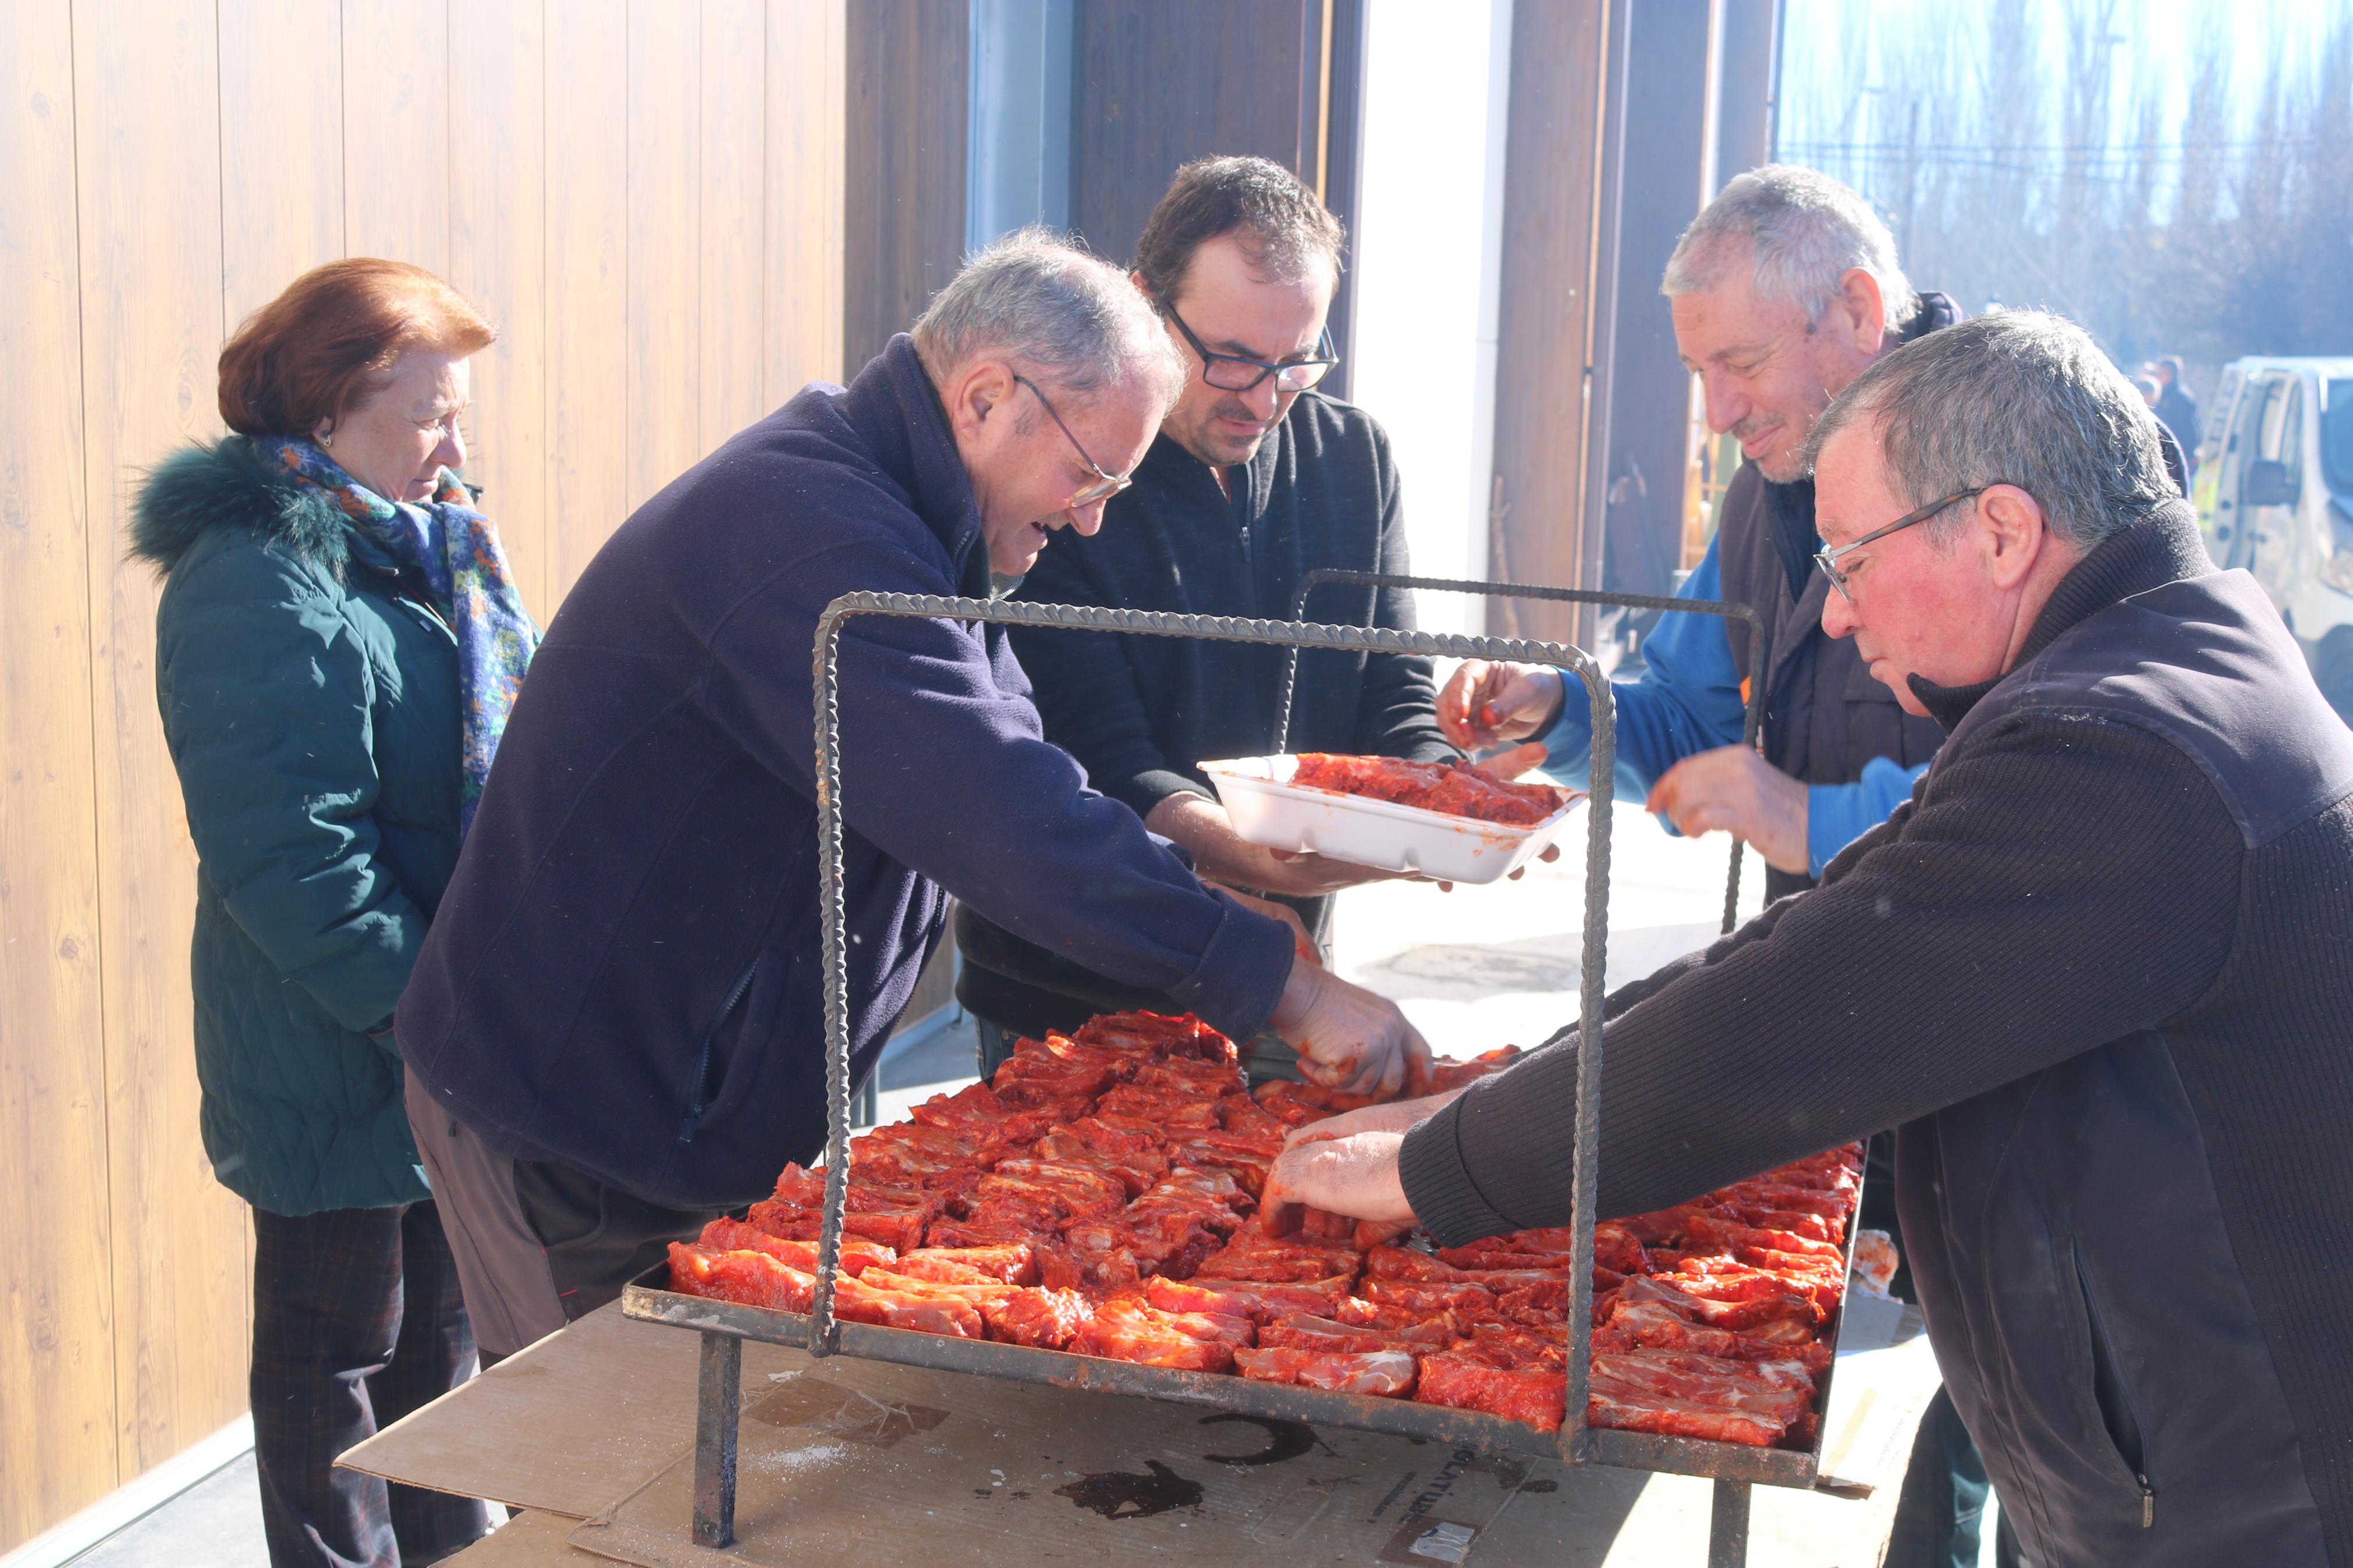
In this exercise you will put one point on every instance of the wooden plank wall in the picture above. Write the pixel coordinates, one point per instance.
(1156, 85)
(645, 195)
(1542, 375)
(910, 92)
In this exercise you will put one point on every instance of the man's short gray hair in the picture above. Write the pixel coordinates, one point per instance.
(2020, 398)
(1800, 231)
(1070, 320)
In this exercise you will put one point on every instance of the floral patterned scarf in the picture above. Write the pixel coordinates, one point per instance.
(457, 551)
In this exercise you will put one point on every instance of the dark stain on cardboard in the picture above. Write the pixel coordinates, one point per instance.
(1122, 1494)
(1285, 1440)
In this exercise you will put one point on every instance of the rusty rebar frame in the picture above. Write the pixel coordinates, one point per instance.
(724, 1325)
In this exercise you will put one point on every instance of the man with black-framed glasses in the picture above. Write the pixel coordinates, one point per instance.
(1256, 479)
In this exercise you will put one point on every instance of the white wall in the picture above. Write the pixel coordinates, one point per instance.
(1430, 233)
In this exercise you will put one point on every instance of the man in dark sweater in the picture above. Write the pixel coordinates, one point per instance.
(2098, 972)
(616, 1026)
(1256, 480)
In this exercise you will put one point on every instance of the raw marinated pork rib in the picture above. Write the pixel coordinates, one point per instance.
(1099, 1197)
(1454, 788)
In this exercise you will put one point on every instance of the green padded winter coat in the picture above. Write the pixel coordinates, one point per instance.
(309, 700)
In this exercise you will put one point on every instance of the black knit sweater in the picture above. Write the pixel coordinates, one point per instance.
(2100, 969)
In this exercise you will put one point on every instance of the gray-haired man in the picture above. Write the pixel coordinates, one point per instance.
(2099, 970)
(1784, 289)
(614, 1028)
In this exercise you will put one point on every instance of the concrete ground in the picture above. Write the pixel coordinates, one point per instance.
(217, 1523)
(1475, 968)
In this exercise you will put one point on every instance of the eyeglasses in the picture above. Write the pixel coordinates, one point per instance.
(1828, 558)
(1106, 485)
(1240, 372)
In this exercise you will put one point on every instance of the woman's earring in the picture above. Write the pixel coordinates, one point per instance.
(326, 440)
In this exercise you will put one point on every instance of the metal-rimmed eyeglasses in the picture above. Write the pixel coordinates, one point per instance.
(1107, 484)
(1240, 372)
(1826, 559)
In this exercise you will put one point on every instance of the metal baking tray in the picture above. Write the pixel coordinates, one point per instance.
(649, 1298)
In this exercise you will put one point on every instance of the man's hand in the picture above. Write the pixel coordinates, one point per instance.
(1222, 855)
(1356, 1175)
(1397, 1116)
(1488, 704)
(1734, 789)
(1348, 1039)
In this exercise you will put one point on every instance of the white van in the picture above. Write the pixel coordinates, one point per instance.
(2274, 495)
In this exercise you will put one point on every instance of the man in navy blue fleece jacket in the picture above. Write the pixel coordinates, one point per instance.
(617, 1028)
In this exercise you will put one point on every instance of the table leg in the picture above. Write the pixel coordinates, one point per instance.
(718, 1401)
(1727, 1528)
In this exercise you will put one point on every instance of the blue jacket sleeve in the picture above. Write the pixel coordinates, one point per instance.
(1838, 814)
(1687, 700)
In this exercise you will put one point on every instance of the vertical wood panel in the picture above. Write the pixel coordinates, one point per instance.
(909, 87)
(1159, 85)
(807, 67)
(733, 303)
(1650, 396)
(149, 197)
(57, 1352)
(497, 260)
(397, 81)
(590, 398)
(281, 155)
(1344, 166)
(1551, 151)
(665, 242)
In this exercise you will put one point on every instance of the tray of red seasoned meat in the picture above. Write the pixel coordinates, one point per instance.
(1444, 820)
(1089, 1218)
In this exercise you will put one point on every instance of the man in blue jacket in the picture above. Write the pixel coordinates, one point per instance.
(1784, 289)
(616, 1029)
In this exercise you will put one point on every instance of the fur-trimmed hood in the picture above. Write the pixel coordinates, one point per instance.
(228, 484)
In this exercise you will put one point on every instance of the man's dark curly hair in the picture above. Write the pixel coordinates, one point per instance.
(1283, 227)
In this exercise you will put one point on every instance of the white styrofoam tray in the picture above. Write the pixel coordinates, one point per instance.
(1268, 809)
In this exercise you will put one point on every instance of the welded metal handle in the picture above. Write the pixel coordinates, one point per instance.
(1752, 725)
(824, 1331)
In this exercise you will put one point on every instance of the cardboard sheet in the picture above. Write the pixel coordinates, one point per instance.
(907, 1466)
(598, 1420)
(573, 1422)
(528, 1540)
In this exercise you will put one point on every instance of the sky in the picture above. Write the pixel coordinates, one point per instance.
(2159, 38)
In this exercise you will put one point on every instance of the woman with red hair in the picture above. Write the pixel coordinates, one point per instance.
(337, 646)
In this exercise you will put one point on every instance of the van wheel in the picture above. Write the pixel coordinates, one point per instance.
(2332, 666)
